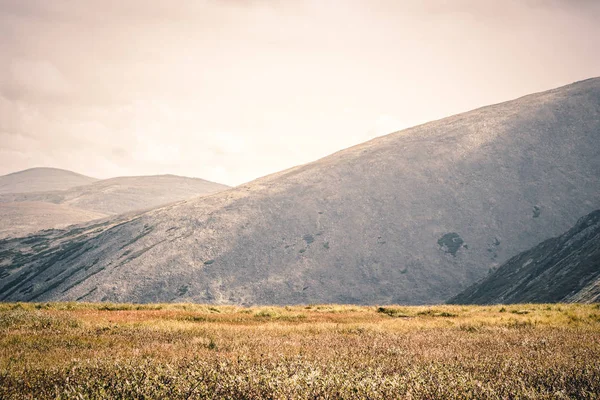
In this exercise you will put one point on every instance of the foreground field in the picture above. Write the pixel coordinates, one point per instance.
(181, 351)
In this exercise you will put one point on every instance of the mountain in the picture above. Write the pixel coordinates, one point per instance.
(41, 179)
(123, 194)
(412, 217)
(562, 269)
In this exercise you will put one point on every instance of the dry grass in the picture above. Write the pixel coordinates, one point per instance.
(78, 350)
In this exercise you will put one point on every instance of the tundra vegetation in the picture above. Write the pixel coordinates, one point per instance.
(185, 351)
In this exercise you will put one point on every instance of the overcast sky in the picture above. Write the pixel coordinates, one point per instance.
(232, 90)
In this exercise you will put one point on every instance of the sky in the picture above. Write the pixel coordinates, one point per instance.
(232, 90)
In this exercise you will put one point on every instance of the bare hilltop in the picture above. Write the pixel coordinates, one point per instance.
(42, 179)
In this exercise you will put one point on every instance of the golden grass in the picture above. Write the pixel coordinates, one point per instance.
(84, 350)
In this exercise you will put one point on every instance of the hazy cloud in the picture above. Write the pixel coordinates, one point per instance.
(36, 79)
(232, 90)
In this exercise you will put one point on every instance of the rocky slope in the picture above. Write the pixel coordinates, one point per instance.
(562, 269)
(412, 217)
(42, 179)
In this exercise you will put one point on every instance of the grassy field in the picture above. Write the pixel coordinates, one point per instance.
(182, 351)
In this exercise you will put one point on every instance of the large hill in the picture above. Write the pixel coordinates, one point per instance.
(29, 212)
(561, 269)
(41, 179)
(412, 217)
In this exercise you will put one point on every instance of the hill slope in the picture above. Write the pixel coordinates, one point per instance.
(412, 217)
(562, 269)
(41, 179)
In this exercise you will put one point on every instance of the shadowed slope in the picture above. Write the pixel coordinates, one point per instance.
(412, 217)
(562, 269)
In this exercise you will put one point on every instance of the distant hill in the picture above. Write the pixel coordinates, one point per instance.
(17, 219)
(562, 269)
(413, 217)
(25, 213)
(123, 194)
(42, 179)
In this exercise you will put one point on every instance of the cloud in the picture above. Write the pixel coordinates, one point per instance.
(36, 78)
(385, 124)
(232, 90)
